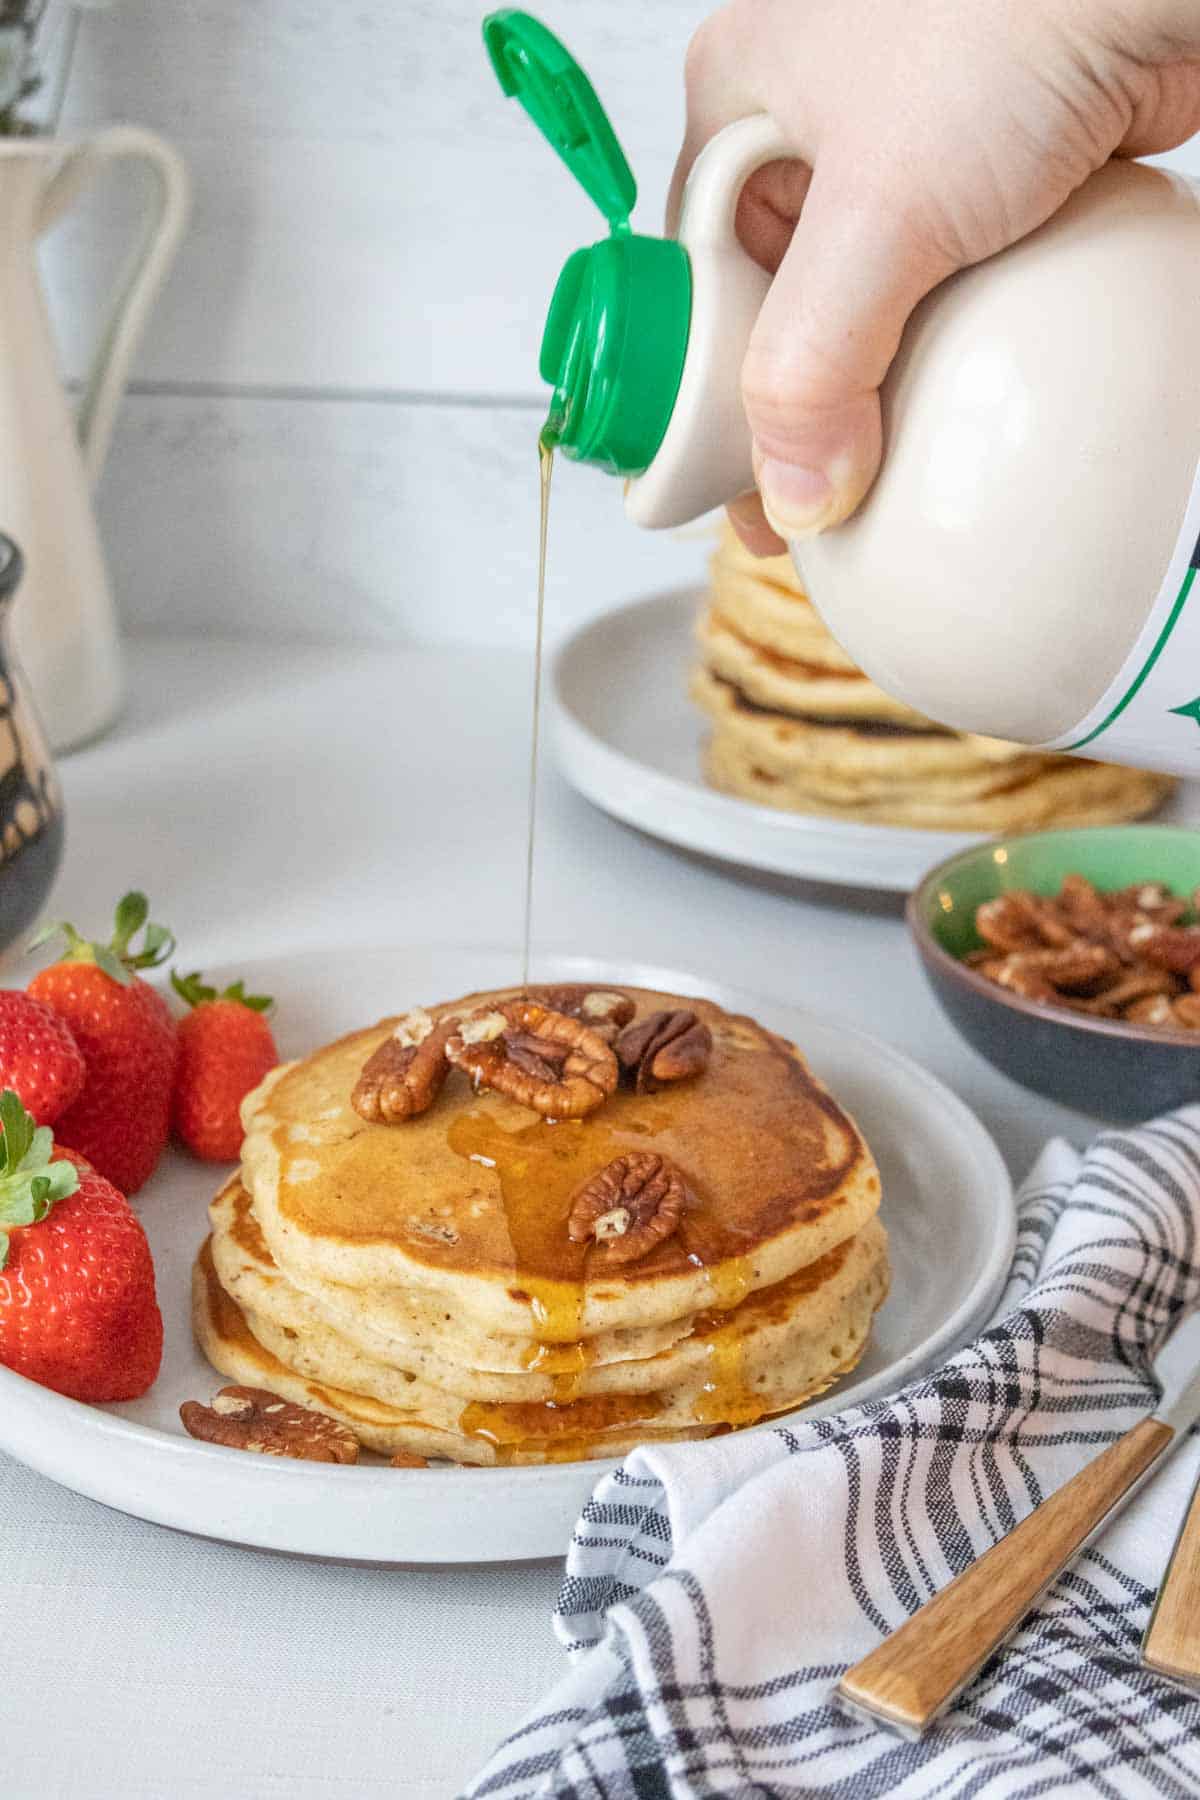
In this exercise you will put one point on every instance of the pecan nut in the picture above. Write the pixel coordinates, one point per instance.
(405, 1075)
(542, 1059)
(1022, 921)
(633, 1204)
(605, 1010)
(250, 1418)
(1173, 947)
(663, 1047)
(408, 1459)
(1040, 972)
(1126, 955)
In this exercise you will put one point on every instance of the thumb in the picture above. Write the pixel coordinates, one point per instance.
(828, 330)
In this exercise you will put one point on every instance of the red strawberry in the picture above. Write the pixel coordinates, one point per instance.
(121, 1119)
(225, 1049)
(39, 1058)
(78, 1311)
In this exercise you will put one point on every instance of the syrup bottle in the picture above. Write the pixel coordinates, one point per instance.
(1023, 564)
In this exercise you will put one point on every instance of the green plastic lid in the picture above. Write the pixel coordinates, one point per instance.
(616, 334)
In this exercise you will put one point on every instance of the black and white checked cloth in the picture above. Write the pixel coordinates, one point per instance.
(715, 1592)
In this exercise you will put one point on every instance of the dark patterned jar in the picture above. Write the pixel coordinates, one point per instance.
(31, 822)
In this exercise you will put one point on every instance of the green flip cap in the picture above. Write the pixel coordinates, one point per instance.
(617, 330)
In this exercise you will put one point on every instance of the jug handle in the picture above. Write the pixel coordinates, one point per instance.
(142, 277)
(720, 172)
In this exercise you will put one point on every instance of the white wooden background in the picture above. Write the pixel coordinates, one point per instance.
(332, 425)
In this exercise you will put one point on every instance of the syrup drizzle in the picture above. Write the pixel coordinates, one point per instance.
(546, 442)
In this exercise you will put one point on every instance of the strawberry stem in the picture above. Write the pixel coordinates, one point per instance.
(116, 958)
(31, 1182)
(196, 992)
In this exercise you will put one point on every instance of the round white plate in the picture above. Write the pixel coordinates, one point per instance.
(947, 1205)
(629, 739)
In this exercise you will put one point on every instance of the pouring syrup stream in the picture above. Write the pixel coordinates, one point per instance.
(547, 438)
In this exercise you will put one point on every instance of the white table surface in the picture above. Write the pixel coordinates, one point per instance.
(273, 797)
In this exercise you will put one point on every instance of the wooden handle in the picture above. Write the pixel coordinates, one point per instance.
(1171, 1645)
(917, 1671)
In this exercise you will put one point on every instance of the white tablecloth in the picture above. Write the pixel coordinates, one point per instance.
(271, 797)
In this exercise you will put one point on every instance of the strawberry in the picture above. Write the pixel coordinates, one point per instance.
(121, 1119)
(225, 1049)
(39, 1058)
(78, 1311)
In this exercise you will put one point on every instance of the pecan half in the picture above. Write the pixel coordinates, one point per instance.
(1173, 947)
(662, 1047)
(1134, 984)
(249, 1418)
(408, 1459)
(629, 1207)
(1155, 1009)
(542, 1059)
(1022, 921)
(1185, 1011)
(404, 1076)
(603, 1009)
(1126, 955)
(1080, 965)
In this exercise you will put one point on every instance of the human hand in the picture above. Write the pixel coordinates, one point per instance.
(929, 134)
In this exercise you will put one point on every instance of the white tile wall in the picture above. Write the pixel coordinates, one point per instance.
(332, 420)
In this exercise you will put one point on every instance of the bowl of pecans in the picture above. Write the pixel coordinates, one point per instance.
(1071, 960)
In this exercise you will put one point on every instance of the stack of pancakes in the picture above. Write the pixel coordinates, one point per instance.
(797, 725)
(418, 1280)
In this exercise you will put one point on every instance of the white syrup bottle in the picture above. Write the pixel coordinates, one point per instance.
(1022, 565)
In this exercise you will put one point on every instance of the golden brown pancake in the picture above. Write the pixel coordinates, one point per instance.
(778, 1348)
(409, 1329)
(777, 1336)
(470, 1200)
(798, 727)
(790, 684)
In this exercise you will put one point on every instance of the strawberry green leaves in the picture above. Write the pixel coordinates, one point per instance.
(117, 958)
(30, 1182)
(195, 992)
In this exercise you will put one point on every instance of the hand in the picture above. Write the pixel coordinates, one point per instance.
(928, 135)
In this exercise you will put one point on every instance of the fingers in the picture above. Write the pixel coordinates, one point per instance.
(748, 519)
(767, 210)
(1166, 110)
(857, 264)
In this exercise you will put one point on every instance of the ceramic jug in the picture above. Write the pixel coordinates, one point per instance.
(31, 827)
(64, 625)
(1027, 565)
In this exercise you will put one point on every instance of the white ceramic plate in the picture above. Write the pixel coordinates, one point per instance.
(629, 739)
(947, 1205)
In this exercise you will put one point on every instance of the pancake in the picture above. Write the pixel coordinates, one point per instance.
(777, 1349)
(470, 1200)
(802, 688)
(768, 612)
(1047, 791)
(798, 727)
(772, 1328)
(852, 758)
(410, 1330)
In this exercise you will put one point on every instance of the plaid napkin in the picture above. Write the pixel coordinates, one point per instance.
(715, 1592)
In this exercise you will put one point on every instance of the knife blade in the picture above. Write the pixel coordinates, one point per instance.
(909, 1679)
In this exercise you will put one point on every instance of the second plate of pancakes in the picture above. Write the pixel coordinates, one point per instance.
(946, 1204)
(632, 740)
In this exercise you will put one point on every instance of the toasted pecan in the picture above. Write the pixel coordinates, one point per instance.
(250, 1418)
(629, 1207)
(542, 1059)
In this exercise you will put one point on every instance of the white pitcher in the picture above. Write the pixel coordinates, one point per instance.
(65, 631)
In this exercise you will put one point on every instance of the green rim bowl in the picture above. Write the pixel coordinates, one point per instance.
(1116, 1071)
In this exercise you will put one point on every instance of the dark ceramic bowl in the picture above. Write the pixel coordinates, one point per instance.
(1117, 1071)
